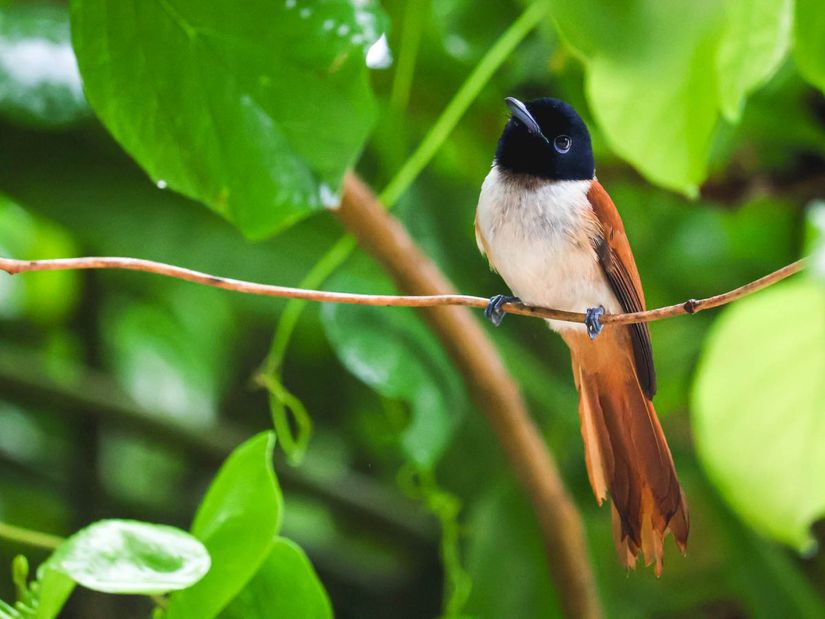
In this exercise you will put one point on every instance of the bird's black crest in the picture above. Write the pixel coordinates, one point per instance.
(522, 152)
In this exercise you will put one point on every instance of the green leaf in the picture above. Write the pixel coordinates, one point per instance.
(809, 42)
(653, 98)
(53, 589)
(39, 81)
(756, 38)
(126, 556)
(758, 403)
(237, 521)
(657, 73)
(256, 112)
(394, 353)
(286, 585)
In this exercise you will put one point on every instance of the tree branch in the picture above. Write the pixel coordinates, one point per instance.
(691, 306)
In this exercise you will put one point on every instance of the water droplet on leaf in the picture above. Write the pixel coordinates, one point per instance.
(379, 55)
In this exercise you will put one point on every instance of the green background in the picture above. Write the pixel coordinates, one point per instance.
(214, 136)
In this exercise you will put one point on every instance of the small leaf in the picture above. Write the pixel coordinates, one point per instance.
(256, 112)
(809, 42)
(286, 585)
(394, 353)
(756, 38)
(126, 556)
(758, 404)
(237, 521)
(53, 589)
(39, 79)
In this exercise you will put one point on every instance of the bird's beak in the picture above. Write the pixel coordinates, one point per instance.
(523, 115)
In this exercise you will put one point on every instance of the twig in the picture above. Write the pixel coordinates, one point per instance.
(691, 306)
(19, 535)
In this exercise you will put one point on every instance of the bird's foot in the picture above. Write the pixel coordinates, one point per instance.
(591, 321)
(493, 311)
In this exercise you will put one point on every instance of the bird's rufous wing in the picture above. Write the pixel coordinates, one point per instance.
(616, 259)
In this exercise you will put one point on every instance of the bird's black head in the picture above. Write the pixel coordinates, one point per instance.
(545, 138)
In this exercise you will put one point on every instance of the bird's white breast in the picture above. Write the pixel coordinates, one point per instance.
(538, 235)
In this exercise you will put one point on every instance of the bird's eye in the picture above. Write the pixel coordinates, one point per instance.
(562, 143)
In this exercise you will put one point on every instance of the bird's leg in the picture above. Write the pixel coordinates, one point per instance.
(591, 321)
(493, 311)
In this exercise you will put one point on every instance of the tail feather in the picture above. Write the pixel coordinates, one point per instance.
(626, 453)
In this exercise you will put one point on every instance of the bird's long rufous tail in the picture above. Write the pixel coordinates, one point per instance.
(625, 449)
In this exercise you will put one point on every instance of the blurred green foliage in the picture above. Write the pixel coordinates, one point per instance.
(120, 393)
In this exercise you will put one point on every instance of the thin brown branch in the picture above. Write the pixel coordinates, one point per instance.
(690, 306)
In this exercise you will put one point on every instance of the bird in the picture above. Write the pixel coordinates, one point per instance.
(552, 232)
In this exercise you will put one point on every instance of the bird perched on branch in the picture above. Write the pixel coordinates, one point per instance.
(550, 229)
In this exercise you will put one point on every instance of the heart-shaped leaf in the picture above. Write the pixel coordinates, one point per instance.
(126, 556)
(256, 110)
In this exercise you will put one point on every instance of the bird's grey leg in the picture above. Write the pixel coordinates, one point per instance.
(591, 321)
(493, 311)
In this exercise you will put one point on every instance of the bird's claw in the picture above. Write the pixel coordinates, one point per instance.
(493, 310)
(591, 321)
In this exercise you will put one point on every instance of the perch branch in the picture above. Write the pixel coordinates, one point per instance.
(691, 306)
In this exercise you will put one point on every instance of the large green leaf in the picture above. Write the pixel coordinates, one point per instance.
(395, 354)
(237, 522)
(758, 406)
(125, 556)
(809, 41)
(257, 111)
(657, 73)
(39, 80)
(285, 586)
(656, 100)
(756, 38)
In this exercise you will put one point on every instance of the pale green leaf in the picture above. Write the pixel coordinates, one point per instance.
(759, 407)
(655, 99)
(126, 556)
(755, 40)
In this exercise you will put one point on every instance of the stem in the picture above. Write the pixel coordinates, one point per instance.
(19, 535)
(691, 306)
(325, 267)
(413, 27)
